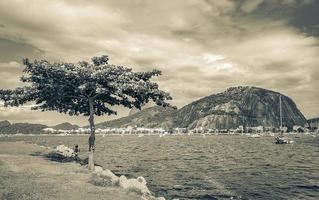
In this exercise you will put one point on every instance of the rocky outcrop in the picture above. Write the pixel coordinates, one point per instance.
(246, 106)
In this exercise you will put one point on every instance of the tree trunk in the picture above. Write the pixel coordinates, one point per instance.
(92, 135)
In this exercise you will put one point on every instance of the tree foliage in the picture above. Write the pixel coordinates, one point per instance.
(67, 87)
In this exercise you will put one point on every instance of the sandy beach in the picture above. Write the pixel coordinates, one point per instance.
(25, 174)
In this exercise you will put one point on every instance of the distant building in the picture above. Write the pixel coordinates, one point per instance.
(49, 130)
(180, 130)
(255, 129)
(313, 124)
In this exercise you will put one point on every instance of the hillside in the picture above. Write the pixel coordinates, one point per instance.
(24, 128)
(248, 106)
(149, 117)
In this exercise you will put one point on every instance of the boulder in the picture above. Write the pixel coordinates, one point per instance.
(62, 154)
(141, 179)
(97, 180)
(134, 185)
(64, 151)
(107, 174)
(97, 169)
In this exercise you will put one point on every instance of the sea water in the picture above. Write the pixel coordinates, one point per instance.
(214, 167)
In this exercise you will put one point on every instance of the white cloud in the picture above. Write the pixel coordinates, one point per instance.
(12, 64)
(211, 58)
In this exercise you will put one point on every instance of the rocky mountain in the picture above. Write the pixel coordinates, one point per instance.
(247, 106)
(65, 126)
(25, 128)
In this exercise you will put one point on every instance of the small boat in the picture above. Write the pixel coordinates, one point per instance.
(254, 136)
(281, 139)
(140, 135)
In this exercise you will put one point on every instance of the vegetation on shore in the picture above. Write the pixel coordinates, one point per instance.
(26, 174)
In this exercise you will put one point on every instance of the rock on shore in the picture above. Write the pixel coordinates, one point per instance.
(105, 177)
(62, 153)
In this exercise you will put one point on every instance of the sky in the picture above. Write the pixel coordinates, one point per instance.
(202, 46)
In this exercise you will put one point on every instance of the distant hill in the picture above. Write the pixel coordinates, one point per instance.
(65, 126)
(23, 128)
(149, 117)
(26, 128)
(248, 106)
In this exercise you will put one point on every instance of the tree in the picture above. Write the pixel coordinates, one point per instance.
(84, 89)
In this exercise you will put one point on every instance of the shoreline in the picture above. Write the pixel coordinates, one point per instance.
(26, 174)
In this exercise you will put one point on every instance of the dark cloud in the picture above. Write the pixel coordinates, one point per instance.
(301, 14)
(306, 18)
(15, 51)
(280, 67)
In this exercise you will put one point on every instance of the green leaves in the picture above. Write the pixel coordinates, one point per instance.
(66, 87)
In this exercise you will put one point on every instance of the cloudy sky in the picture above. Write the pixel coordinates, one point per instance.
(202, 46)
